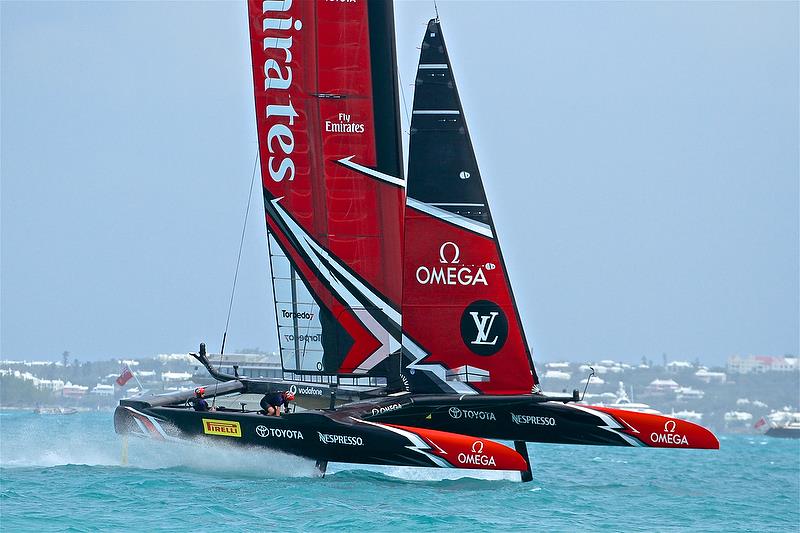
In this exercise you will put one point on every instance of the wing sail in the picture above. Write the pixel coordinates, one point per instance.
(328, 132)
(462, 332)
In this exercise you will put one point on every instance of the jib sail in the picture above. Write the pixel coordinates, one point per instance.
(327, 116)
(461, 329)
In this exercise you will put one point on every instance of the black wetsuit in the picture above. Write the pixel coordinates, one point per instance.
(199, 404)
(273, 399)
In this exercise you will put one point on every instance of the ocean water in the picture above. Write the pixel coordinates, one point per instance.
(64, 473)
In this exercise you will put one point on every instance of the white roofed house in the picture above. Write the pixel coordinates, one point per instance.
(754, 364)
(662, 385)
(557, 374)
(102, 390)
(175, 376)
(738, 421)
(74, 391)
(691, 416)
(172, 381)
(707, 376)
(51, 384)
(688, 393)
(679, 366)
(596, 380)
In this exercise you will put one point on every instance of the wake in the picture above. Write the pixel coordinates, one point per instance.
(31, 441)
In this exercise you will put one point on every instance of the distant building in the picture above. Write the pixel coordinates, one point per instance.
(738, 416)
(176, 376)
(679, 366)
(50, 384)
(596, 380)
(103, 390)
(688, 393)
(756, 364)
(691, 416)
(662, 385)
(74, 391)
(703, 374)
(557, 374)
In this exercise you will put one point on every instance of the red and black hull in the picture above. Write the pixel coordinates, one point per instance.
(443, 431)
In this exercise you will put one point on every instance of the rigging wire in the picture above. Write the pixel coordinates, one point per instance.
(403, 96)
(236, 273)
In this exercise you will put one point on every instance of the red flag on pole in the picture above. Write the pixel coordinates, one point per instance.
(760, 423)
(124, 377)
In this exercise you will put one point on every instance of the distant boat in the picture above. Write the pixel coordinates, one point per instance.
(781, 424)
(624, 402)
(55, 411)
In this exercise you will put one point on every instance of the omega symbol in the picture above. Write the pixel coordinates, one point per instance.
(443, 253)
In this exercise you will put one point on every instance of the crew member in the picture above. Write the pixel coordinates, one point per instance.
(271, 402)
(198, 402)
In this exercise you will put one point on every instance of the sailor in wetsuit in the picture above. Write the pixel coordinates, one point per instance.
(271, 402)
(198, 402)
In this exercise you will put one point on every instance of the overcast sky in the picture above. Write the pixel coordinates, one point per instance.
(641, 160)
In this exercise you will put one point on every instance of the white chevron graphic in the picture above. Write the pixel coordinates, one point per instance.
(331, 268)
(348, 162)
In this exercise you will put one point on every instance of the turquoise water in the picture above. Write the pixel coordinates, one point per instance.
(62, 473)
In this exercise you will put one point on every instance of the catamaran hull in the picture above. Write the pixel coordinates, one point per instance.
(323, 437)
(427, 431)
(534, 419)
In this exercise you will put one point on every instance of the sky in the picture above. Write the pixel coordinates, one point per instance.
(640, 158)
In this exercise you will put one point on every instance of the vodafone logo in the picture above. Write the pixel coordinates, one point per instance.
(307, 391)
(453, 272)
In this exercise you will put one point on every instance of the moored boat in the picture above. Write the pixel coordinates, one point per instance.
(781, 424)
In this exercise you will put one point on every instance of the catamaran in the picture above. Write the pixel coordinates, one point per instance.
(391, 294)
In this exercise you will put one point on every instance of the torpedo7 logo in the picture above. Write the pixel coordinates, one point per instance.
(484, 327)
(451, 270)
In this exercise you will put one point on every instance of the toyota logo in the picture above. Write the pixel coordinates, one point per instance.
(262, 431)
(454, 412)
(477, 447)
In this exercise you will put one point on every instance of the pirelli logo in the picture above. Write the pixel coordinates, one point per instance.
(225, 428)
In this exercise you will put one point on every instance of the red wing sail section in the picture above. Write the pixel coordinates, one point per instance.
(326, 111)
(461, 329)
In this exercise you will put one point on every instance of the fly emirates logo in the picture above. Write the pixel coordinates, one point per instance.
(451, 271)
(279, 29)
